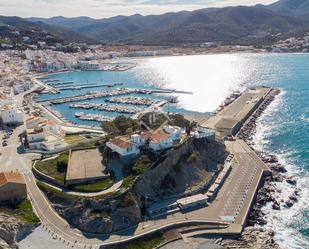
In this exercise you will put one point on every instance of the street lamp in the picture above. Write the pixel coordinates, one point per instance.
(186, 200)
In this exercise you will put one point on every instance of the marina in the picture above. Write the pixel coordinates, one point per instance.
(92, 117)
(108, 108)
(56, 83)
(97, 94)
(78, 87)
(132, 100)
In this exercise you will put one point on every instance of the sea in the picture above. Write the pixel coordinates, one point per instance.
(283, 129)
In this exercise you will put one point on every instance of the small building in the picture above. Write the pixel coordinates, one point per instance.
(192, 201)
(174, 131)
(43, 134)
(123, 146)
(36, 134)
(12, 187)
(160, 140)
(34, 122)
(201, 132)
(11, 115)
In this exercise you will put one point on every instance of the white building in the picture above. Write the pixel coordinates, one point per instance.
(21, 87)
(174, 131)
(207, 133)
(35, 135)
(158, 140)
(33, 122)
(11, 115)
(123, 147)
(43, 134)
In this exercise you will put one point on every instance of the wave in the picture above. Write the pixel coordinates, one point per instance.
(287, 222)
(305, 117)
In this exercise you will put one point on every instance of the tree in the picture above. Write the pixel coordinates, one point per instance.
(142, 164)
(110, 128)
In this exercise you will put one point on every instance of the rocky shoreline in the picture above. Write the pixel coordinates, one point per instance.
(267, 193)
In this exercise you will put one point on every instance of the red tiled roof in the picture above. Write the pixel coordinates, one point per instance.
(156, 136)
(122, 143)
(14, 177)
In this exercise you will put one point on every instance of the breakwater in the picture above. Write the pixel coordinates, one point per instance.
(266, 193)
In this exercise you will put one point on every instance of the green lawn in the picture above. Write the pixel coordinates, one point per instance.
(23, 212)
(89, 145)
(55, 168)
(73, 139)
(98, 186)
(145, 244)
(47, 189)
(128, 182)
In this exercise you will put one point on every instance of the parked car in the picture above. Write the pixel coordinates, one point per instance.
(4, 143)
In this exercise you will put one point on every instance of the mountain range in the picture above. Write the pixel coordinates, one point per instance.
(227, 25)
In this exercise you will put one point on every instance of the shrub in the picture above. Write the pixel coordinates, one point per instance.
(128, 200)
(128, 182)
(193, 157)
(142, 165)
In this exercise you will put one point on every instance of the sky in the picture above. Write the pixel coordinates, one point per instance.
(109, 8)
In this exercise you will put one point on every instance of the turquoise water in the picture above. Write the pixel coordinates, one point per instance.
(283, 129)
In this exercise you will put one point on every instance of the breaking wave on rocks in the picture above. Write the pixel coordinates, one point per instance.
(289, 223)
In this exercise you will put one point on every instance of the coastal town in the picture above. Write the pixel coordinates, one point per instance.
(128, 178)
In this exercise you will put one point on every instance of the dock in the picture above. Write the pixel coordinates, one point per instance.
(92, 117)
(59, 83)
(132, 100)
(83, 86)
(229, 120)
(94, 95)
(108, 108)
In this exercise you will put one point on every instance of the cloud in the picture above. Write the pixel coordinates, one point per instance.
(108, 8)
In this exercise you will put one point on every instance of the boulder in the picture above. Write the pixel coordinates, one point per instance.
(291, 181)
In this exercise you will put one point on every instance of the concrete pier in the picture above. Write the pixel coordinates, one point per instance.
(231, 118)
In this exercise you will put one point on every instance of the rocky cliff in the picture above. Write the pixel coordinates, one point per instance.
(98, 215)
(189, 167)
(12, 230)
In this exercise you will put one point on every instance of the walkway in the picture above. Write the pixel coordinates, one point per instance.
(110, 190)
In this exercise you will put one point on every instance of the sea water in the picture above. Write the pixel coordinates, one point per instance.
(283, 129)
